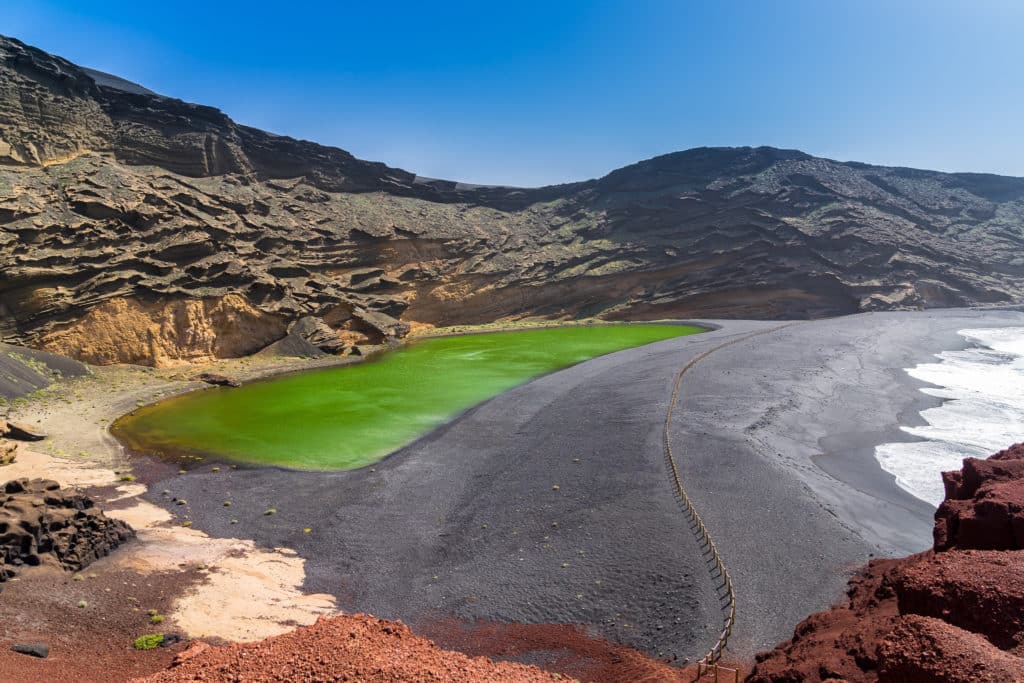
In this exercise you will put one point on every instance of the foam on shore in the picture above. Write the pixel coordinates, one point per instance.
(983, 410)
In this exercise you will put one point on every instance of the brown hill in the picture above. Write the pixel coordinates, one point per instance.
(135, 227)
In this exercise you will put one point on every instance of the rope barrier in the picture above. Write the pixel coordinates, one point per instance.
(709, 662)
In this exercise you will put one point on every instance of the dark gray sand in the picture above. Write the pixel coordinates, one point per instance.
(774, 438)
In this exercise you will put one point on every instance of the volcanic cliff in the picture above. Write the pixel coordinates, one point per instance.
(139, 228)
(951, 615)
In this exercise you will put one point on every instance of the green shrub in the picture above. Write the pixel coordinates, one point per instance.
(149, 641)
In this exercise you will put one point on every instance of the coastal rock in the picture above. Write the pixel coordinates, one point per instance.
(42, 525)
(926, 650)
(128, 219)
(954, 614)
(984, 505)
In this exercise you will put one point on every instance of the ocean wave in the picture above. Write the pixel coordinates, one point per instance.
(982, 412)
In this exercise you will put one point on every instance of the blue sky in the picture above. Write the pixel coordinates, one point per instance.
(530, 93)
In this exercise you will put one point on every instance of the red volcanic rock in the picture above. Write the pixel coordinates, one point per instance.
(840, 643)
(950, 616)
(978, 590)
(984, 506)
(355, 647)
(926, 650)
(1015, 452)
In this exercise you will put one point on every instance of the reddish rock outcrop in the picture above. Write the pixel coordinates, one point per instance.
(948, 615)
(984, 506)
(977, 590)
(923, 649)
(355, 647)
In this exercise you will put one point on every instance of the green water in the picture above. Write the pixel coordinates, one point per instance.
(351, 416)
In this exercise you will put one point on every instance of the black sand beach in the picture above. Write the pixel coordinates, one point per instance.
(774, 438)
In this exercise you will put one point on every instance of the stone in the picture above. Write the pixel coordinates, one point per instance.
(219, 380)
(8, 452)
(40, 650)
(315, 331)
(24, 432)
(40, 524)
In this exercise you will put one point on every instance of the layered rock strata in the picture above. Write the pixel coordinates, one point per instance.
(121, 209)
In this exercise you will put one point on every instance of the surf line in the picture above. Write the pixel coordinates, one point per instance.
(713, 559)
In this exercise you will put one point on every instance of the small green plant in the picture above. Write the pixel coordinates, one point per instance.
(156, 619)
(126, 477)
(150, 641)
(152, 612)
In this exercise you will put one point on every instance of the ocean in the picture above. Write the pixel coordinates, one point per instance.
(982, 412)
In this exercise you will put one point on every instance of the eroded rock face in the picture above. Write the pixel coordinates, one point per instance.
(113, 194)
(42, 525)
(984, 505)
(166, 333)
(954, 614)
(981, 591)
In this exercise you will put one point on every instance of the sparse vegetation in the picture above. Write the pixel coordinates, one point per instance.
(150, 641)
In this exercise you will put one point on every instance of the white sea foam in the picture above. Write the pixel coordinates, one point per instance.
(983, 411)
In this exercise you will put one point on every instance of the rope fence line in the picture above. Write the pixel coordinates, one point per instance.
(716, 568)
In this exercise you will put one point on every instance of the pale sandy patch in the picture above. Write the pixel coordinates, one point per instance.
(248, 593)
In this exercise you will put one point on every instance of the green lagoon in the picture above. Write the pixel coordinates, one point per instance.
(351, 416)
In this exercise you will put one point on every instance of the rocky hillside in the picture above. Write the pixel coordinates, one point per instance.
(951, 615)
(139, 228)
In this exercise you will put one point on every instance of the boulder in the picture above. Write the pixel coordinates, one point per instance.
(315, 331)
(8, 452)
(41, 650)
(24, 432)
(219, 380)
(42, 525)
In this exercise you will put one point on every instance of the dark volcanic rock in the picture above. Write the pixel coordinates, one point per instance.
(218, 380)
(42, 525)
(117, 204)
(318, 334)
(41, 650)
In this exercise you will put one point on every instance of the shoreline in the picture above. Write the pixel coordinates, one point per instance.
(831, 476)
